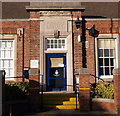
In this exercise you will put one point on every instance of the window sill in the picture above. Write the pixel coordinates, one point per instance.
(56, 51)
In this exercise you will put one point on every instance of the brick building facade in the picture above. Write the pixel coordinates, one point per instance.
(46, 33)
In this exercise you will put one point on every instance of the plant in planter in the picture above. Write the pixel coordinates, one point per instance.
(104, 90)
(16, 90)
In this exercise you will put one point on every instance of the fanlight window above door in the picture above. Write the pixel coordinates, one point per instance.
(56, 44)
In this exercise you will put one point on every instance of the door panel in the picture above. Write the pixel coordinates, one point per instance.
(56, 72)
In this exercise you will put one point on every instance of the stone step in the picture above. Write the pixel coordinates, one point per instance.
(73, 99)
(67, 106)
(70, 103)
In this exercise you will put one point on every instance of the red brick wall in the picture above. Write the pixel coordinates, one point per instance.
(34, 14)
(31, 41)
(77, 45)
(10, 27)
(104, 27)
(84, 92)
(35, 40)
(116, 92)
(103, 106)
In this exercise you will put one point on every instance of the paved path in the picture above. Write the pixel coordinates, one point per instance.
(73, 113)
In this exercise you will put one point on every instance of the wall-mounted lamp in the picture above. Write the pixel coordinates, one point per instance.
(56, 34)
(20, 32)
(93, 32)
(78, 22)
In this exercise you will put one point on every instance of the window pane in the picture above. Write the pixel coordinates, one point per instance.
(101, 71)
(3, 44)
(55, 41)
(112, 43)
(106, 44)
(112, 70)
(100, 52)
(11, 63)
(48, 41)
(48, 46)
(107, 71)
(3, 56)
(63, 41)
(0, 53)
(100, 61)
(63, 46)
(59, 41)
(112, 52)
(0, 44)
(55, 46)
(11, 72)
(12, 54)
(6, 63)
(9, 54)
(51, 46)
(56, 62)
(106, 52)
(0, 64)
(9, 45)
(106, 61)
(100, 43)
(51, 41)
(59, 46)
(111, 61)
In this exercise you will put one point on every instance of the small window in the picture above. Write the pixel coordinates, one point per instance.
(106, 57)
(56, 44)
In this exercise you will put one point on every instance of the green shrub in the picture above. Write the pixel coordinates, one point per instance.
(16, 90)
(104, 90)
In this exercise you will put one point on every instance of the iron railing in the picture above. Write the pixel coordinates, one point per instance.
(97, 77)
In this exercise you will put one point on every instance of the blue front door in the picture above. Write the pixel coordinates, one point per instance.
(56, 72)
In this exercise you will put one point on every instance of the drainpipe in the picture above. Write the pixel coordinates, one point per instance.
(20, 32)
(23, 54)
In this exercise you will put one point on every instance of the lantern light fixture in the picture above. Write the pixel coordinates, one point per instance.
(78, 22)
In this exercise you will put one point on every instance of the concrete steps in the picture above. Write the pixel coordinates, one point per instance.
(60, 101)
(71, 104)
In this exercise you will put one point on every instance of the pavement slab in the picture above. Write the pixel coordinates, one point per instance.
(74, 112)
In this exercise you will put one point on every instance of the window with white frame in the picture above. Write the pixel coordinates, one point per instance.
(7, 57)
(56, 43)
(106, 57)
